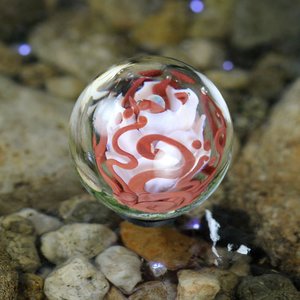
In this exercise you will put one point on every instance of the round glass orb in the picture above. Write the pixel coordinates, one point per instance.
(151, 138)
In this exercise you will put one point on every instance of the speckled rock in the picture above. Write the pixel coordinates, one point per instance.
(35, 167)
(257, 23)
(124, 14)
(8, 277)
(264, 182)
(170, 27)
(16, 16)
(31, 287)
(235, 79)
(17, 235)
(77, 279)
(84, 208)
(41, 222)
(165, 245)
(10, 61)
(84, 48)
(215, 21)
(121, 267)
(267, 287)
(86, 239)
(154, 290)
(65, 87)
(35, 74)
(193, 285)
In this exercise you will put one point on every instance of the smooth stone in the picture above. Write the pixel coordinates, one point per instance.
(267, 287)
(121, 267)
(10, 61)
(257, 23)
(83, 48)
(193, 285)
(35, 166)
(79, 238)
(264, 182)
(65, 87)
(36, 74)
(84, 208)
(31, 287)
(125, 14)
(154, 290)
(235, 79)
(162, 244)
(8, 276)
(41, 222)
(169, 29)
(17, 235)
(114, 294)
(215, 21)
(77, 279)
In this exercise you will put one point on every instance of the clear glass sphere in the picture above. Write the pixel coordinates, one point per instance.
(151, 138)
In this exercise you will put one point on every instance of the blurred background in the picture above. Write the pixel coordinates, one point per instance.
(51, 49)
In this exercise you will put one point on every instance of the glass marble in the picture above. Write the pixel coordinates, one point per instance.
(151, 138)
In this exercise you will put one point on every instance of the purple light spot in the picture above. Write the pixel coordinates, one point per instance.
(228, 65)
(196, 6)
(24, 49)
(193, 224)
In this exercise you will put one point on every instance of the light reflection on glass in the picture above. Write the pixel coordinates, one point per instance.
(24, 49)
(228, 65)
(157, 268)
(193, 224)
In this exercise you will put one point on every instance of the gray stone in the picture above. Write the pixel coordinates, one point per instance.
(264, 182)
(8, 277)
(121, 267)
(267, 287)
(154, 290)
(258, 22)
(85, 208)
(194, 285)
(65, 87)
(86, 239)
(83, 48)
(77, 279)
(42, 222)
(17, 235)
(35, 167)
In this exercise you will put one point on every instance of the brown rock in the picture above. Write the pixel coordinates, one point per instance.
(10, 61)
(31, 287)
(165, 245)
(164, 28)
(265, 182)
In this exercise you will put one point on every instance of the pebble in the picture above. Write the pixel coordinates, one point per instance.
(163, 244)
(8, 276)
(84, 208)
(267, 287)
(10, 61)
(65, 87)
(154, 290)
(77, 279)
(18, 238)
(215, 21)
(114, 294)
(31, 287)
(170, 27)
(35, 166)
(235, 79)
(251, 182)
(121, 267)
(83, 48)
(42, 223)
(86, 239)
(193, 285)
